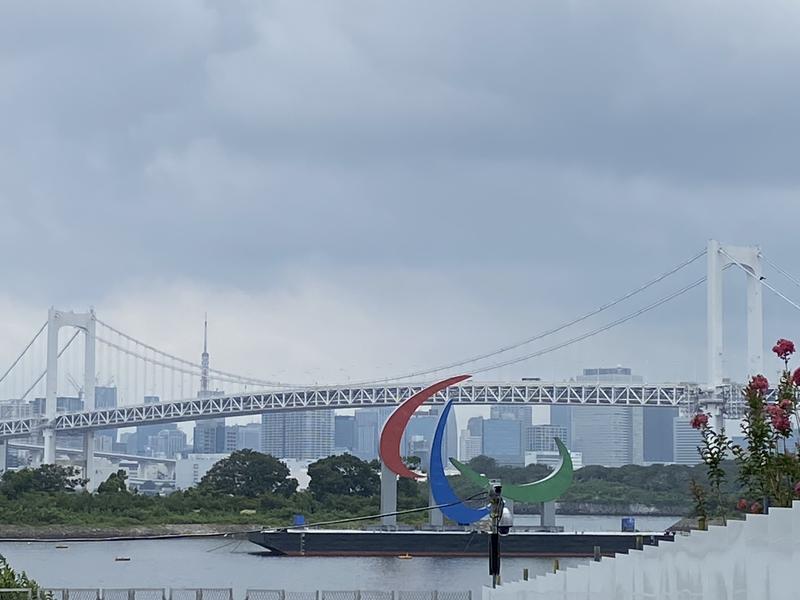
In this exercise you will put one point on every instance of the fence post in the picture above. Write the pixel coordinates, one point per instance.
(435, 594)
(597, 554)
(230, 593)
(358, 594)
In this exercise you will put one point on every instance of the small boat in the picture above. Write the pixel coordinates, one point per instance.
(405, 556)
(61, 546)
(122, 558)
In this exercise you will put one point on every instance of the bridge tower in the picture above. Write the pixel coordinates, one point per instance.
(86, 322)
(720, 256)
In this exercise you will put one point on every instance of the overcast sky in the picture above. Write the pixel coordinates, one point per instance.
(359, 189)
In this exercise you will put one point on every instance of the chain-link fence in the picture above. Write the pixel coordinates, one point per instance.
(227, 594)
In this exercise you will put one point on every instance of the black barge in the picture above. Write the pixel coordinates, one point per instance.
(456, 543)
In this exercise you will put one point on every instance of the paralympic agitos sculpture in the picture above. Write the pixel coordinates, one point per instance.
(544, 490)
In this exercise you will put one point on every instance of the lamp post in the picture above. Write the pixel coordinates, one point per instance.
(502, 521)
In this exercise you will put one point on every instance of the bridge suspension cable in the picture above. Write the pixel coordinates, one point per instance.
(43, 373)
(19, 358)
(783, 272)
(548, 332)
(594, 332)
(763, 281)
(217, 374)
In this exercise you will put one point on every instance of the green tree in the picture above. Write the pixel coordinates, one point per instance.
(344, 475)
(10, 579)
(47, 478)
(115, 484)
(248, 473)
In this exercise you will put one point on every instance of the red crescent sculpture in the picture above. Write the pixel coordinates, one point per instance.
(396, 424)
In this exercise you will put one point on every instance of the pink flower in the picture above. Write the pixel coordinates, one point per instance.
(699, 421)
(759, 383)
(797, 489)
(774, 410)
(785, 404)
(796, 377)
(783, 348)
(755, 508)
(782, 424)
(742, 504)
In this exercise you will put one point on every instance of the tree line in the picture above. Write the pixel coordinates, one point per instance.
(251, 487)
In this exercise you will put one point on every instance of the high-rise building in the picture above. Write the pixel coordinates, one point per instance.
(299, 434)
(470, 446)
(658, 434)
(105, 397)
(475, 426)
(344, 436)
(562, 416)
(541, 438)
(368, 425)
(168, 443)
(209, 437)
(243, 437)
(685, 442)
(418, 436)
(506, 411)
(608, 435)
(502, 441)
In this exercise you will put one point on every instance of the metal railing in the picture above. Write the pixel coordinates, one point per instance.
(227, 594)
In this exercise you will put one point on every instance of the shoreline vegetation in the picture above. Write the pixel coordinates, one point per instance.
(250, 490)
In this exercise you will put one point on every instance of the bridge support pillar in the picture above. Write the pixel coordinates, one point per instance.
(720, 256)
(436, 516)
(547, 514)
(85, 322)
(49, 454)
(388, 496)
(88, 453)
(3, 456)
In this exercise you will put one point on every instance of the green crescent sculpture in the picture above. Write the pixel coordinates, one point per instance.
(544, 490)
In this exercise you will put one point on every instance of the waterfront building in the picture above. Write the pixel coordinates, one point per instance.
(475, 426)
(562, 416)
(502, 441)
(418, 436)
(299, 434)
(191, 469)
(552, 459)
(243, 437)
(541, 438)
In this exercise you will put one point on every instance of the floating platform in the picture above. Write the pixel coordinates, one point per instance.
(463, 543)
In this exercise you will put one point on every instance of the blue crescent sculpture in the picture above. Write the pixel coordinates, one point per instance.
(440, 488)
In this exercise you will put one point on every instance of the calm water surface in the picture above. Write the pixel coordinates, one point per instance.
(215, 562)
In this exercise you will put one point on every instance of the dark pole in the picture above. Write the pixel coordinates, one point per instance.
(496, 501)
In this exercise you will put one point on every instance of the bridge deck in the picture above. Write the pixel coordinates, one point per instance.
(235, 405)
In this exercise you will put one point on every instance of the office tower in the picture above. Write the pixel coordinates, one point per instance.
(608, 435)
(168, 443)
(105, 397)
(298, 434)
(418, 436)
(519, 413)
(243, 437)
(502, 441)
(344, 437)
(475, 426)
(470, 446)
(368, 425)
(685, 442)
(561, 416)
(658, 434)
(209, 437)
(541, 438)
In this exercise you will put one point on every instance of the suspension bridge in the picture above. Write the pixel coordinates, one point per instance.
(152, 386)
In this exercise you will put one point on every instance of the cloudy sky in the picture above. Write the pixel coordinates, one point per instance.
(362, 189)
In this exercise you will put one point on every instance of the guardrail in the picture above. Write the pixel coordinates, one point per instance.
(227, 594)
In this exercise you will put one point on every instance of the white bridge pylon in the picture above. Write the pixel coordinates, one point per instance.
(719, 257)
(86, 323)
